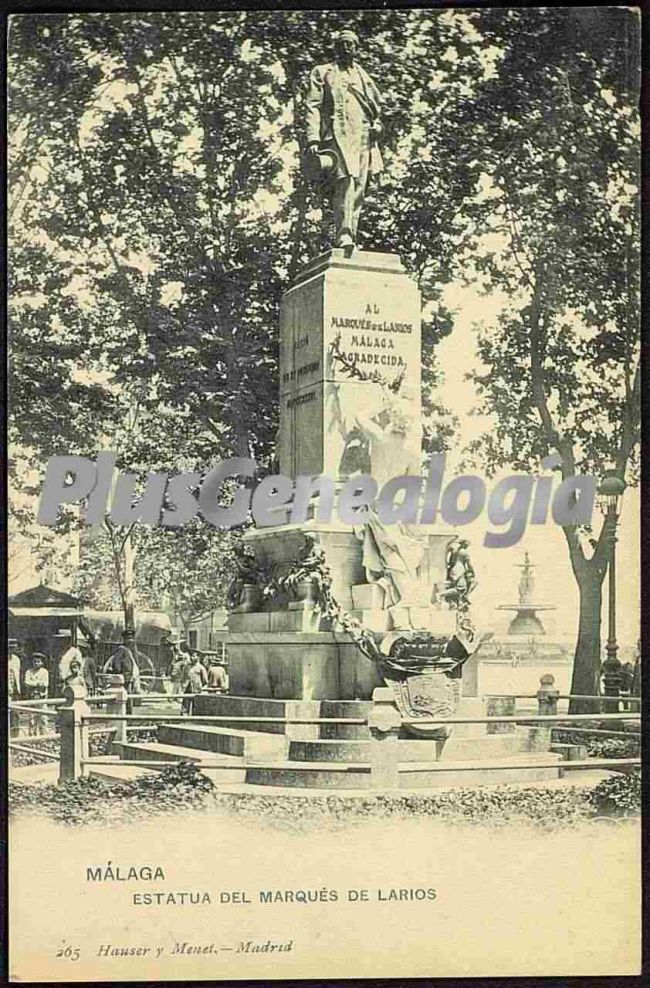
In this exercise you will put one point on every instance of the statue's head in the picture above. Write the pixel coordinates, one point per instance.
(345, 45)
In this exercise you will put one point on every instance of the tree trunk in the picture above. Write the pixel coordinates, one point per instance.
(129, 589)
(586, 665)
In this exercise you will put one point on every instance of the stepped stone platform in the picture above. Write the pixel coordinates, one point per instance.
(225, 705)
(261, 755)
(587, 779)
(225, 740)
(412, 775)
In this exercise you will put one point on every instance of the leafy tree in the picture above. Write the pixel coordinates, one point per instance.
(191, 568)
(187, 570)
(132, 565)
(558, 220)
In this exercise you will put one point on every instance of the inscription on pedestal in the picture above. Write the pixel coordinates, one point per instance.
(350, 334)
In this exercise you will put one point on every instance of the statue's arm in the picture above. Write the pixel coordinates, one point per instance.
(313, 104)
(369, 427)
(470, 574)
(363, 417)
(375, 98)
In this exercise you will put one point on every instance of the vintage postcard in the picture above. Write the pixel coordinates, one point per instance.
(324, 654)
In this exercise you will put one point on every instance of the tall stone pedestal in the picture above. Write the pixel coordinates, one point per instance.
(344, 313)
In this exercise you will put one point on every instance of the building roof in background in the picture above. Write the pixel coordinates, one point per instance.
(44, 597)
(51, 612)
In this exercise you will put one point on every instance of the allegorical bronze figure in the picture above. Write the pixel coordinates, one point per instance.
(343, 123)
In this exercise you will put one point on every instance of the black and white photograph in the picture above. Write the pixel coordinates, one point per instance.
(324, 647)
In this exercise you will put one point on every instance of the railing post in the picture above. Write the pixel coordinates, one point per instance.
(74, 735)
(547, 696)
(116, 705)
(384, 721)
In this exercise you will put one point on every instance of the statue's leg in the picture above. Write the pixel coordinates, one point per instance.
(343, 203)
(359, 192)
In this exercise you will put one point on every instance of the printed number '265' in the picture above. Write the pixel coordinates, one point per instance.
(68, 952)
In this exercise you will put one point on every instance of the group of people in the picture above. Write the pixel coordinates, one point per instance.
(26, 681)
(192, 671)
(31, 679)
(36, 677)
(189, 671)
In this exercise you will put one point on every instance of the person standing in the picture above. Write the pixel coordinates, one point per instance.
(89, 669)
(122, 663)
(179, 674)
(13, 670)
(13, 682)
(70, 653)
(217, 676)
(37, 681)
(197, 680)
(627, 678)
(168, 655)
(343, 119)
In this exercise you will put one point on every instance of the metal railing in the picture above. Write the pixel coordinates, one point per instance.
(76, 721)
(603, 700)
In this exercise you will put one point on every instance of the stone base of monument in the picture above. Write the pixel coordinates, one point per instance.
(277, 548)
(290, 650)
(300, 665)
(305, 663)
(412, 775)
(337, 756)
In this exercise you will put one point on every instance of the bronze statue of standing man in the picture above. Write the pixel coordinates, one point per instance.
(342, 129)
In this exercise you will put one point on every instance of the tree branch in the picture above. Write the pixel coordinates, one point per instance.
(127, 535)
(630, 431)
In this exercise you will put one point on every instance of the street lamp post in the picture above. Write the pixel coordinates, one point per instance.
(610, 494)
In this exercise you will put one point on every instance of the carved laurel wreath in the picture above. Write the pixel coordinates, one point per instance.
(311, 566)
(350, 368)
